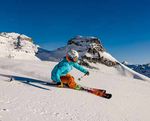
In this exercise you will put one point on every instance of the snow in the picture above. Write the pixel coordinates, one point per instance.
(108, 56)
(20, 101)
(8, 47)
(142, 69)
(13, 35)
(127, 71)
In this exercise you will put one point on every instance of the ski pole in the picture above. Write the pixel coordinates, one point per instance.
(81, 77)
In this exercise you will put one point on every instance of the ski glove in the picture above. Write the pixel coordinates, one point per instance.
(60, 85)
(87, 73)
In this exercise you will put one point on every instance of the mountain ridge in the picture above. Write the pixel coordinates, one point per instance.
(140, 68)
(91, 51)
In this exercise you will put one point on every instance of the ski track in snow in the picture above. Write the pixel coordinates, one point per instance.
(21, 101)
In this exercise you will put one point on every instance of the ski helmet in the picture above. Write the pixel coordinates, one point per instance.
(72, 55)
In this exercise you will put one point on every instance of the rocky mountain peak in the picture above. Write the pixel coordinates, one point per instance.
(88, 42)
(91, 51)
(15, 36)
(89, 48)
(17, 46)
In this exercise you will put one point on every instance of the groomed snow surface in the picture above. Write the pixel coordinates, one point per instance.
(20, 101)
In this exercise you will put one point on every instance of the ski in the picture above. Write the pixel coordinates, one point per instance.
(94, 89)
(97, 92)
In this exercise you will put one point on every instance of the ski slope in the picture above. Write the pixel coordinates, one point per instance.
(20, 101)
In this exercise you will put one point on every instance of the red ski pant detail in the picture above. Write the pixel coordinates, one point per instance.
(69, 80)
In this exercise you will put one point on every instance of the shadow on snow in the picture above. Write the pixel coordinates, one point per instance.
(29, 81)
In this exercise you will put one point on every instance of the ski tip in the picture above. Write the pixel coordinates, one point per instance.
(110, 96)
(107, 96)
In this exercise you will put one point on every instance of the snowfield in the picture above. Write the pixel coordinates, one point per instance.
(21, 101)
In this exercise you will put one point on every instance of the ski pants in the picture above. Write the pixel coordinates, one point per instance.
(69, 81)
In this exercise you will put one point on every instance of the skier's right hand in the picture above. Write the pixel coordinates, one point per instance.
(60, 85)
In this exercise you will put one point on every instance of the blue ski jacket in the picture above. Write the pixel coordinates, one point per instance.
(63, 68)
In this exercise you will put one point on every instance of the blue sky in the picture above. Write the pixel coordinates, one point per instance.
(122, 25)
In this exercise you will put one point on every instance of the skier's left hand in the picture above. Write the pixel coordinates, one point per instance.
(87, 73)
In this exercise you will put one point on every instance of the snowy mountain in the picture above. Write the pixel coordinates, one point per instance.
(90, 50)
(17, 46)
(27, 99)
(92, 53)
(142, 69)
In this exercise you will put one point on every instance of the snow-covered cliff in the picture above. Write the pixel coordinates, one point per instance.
(90, 50)
(17, 46)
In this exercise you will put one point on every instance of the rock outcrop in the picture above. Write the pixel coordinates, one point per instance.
(91, 51)
(17, 46)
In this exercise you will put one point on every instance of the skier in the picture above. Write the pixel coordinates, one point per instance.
(60, 74)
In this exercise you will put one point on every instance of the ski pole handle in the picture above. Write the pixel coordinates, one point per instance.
(81, 77)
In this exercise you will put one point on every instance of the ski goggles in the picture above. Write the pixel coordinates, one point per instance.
(75, 59)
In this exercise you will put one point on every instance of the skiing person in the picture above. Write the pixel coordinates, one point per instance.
(60, 74)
